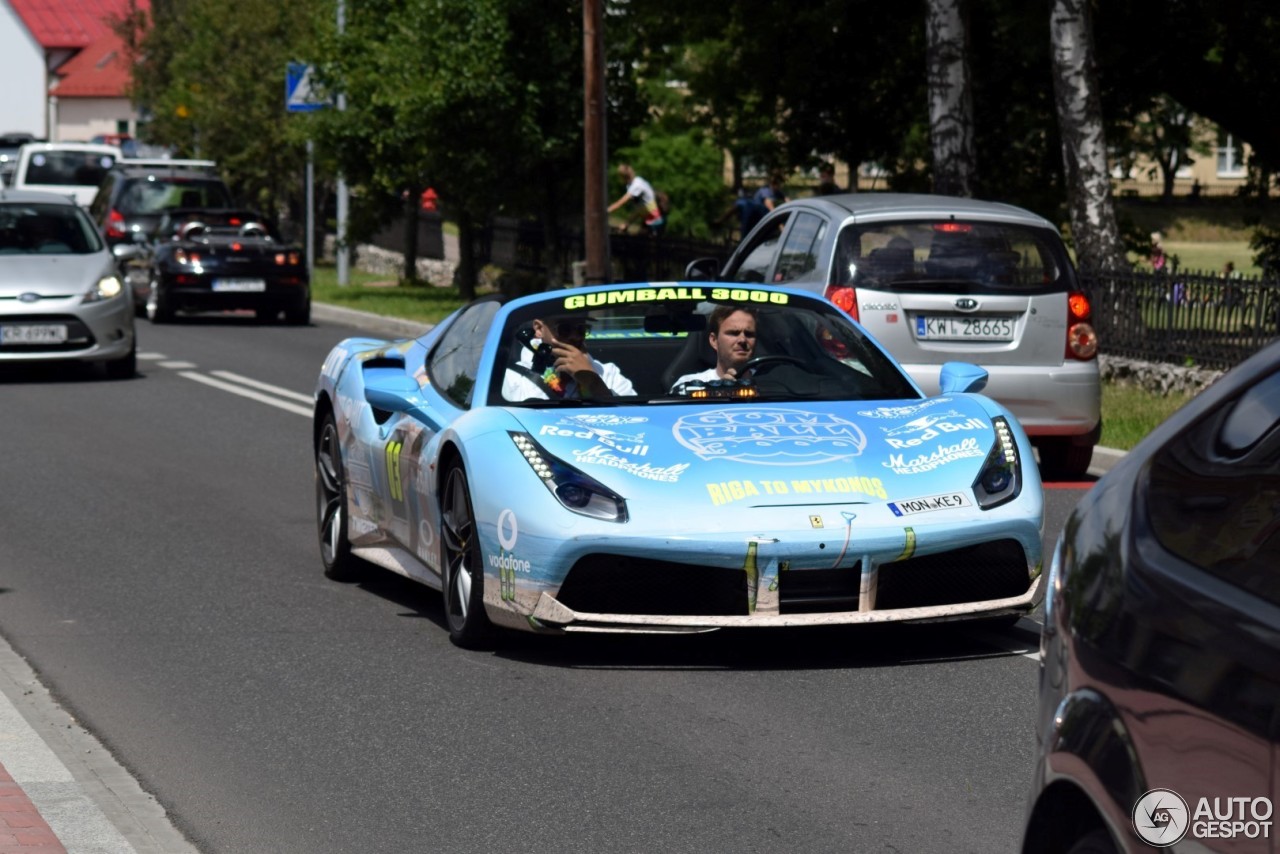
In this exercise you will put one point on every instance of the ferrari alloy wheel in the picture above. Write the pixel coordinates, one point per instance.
(331, 507)
(469, 625)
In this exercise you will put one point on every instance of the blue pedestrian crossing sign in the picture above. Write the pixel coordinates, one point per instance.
(299, 96)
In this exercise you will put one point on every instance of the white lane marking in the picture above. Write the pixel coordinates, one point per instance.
(151, 357)
(249, 393)
(252, 383)
(178, 366)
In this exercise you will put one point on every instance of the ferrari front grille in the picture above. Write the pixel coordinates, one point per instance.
(612, 584)
(995, 570)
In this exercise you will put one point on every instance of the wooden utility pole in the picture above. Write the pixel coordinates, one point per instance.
(595, 214)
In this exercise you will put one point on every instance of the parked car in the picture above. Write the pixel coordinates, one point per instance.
(72, 168)
(60, 296)
(936, 278)
(135, 194)
(217, 259)
(1160, 654)
(820, 486)
(10, 143)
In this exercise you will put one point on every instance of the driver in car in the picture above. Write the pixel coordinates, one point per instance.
(558, 356)
(731, 330)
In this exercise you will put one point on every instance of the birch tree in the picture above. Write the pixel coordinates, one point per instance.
(950, 98)
(1084, 147)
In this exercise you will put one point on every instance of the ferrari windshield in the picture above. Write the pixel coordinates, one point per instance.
(681, 342)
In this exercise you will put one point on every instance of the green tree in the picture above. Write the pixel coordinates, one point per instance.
(211, 77)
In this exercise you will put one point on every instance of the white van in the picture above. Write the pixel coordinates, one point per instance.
(73, 169)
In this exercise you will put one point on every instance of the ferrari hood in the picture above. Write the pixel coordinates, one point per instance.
(773, 454)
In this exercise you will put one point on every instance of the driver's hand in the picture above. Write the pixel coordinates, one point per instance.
(569, 359)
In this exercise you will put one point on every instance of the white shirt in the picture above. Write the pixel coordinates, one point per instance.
(704, 376)
(641, 189)
(517, 386)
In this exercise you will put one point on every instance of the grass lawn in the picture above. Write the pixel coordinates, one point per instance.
(381, 294)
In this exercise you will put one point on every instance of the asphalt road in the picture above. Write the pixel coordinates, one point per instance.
(159, 571)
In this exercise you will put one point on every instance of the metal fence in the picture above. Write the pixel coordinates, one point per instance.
(1183, 318)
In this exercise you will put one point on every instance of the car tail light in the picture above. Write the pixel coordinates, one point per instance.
(1082, 340)
(845, 298)
(290, 258)
(184, 257)
(953, 227)
(115, 224)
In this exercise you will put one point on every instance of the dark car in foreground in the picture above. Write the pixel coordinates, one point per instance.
(218, 260)
(60, 297)
(1159, 719)
(938, 278)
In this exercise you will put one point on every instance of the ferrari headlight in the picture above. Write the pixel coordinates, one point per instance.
(575, 490)
(1000, 479)
(107, 287)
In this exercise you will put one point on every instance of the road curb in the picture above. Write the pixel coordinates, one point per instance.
(392, 327)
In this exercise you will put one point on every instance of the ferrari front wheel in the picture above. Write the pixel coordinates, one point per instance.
(469, 625)
(331, 507)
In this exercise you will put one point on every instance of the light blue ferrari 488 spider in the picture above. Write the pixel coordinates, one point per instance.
(671, 457)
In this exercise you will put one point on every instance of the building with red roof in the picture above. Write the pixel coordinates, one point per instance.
(67, 68)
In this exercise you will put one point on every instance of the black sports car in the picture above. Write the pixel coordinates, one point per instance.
(218, 260)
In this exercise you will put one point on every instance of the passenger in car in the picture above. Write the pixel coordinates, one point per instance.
(731, 332)
(557, 355)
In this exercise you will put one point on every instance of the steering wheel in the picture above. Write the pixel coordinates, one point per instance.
(753, 366)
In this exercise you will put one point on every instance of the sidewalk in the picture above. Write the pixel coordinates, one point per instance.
(61, 791)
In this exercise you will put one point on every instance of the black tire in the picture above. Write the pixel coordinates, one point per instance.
(1097, 841)
(159, 305)
(331, 507)
(126, 366)
(298, 316)
(469, 625)
(1062, 459)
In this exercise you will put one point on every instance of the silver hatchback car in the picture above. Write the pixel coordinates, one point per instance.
(60, 295)
(938, 279)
